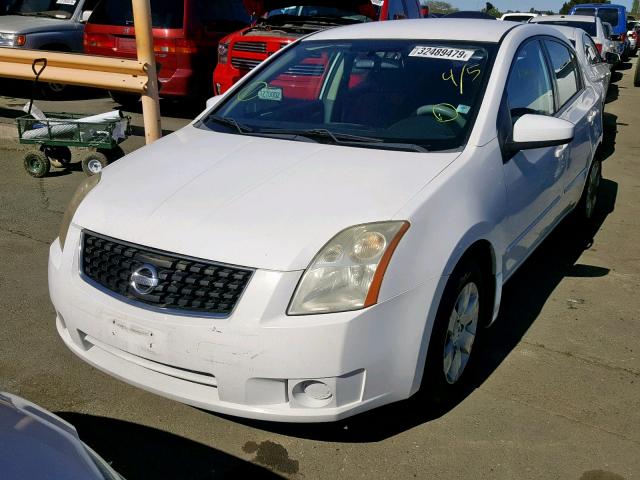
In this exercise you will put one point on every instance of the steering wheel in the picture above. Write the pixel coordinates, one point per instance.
(443, 113)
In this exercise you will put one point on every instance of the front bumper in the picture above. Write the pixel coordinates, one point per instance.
(255, 363)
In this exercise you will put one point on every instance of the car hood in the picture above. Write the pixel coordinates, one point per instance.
(260, 7)
(249, 201)
(26, 24)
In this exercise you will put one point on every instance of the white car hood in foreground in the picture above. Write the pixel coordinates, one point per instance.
(249, 201)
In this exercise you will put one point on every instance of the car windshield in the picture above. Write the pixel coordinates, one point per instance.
(43, 8)
(164, 13)
(589, 27)
(307, 11)
(609, 15)
(393, 94)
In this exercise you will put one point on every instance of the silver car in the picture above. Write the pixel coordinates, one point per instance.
(56, 25)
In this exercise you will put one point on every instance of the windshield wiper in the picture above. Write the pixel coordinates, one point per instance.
(230, 122)
(324, 133)
(346, 139)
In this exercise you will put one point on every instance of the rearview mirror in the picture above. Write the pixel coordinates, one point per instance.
(540, 131)
(84, 18)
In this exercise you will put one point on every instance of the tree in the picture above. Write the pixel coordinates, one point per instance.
(491, 10)
(441, 7)
(636, 7)
(572, 3)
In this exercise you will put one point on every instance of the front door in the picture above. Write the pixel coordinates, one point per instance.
(532, 177)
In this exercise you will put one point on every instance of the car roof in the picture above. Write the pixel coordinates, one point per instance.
(462, 29)
(565, 18)
(570, 32)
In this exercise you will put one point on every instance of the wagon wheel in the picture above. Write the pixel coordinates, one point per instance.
(37, 164)
(94, 162)
(60, 157)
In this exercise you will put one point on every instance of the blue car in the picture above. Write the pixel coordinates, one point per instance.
(616, 15)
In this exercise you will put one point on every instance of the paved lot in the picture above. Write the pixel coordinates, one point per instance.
(556, 394)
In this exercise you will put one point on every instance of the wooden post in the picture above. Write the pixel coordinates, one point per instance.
(146, 55)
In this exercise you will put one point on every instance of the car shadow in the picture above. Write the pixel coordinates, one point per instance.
(140, 452)
(613, 93)
(624, 66)
(610, 128)
(23, 89)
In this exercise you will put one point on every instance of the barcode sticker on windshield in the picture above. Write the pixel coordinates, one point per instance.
(458, 54)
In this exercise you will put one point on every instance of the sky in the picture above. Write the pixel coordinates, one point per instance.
(522, 5)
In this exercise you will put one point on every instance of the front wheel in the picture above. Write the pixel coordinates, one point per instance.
(636, 77)
(461, 316)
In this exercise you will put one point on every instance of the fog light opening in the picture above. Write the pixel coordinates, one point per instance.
(312, 394)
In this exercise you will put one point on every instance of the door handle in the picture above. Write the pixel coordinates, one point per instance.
(559, 153)
(592, 116)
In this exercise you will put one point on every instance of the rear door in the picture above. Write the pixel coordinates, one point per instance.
(598, 72)
(579, 104)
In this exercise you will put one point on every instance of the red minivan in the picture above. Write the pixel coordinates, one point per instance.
(281, 22)
(185, 37)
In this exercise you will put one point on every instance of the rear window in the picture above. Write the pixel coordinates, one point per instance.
(589, 27)
(609, 15)
(518, 18)
(164, 13)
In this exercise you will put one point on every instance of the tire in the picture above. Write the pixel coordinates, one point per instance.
(636, 77)
(452, 339)
(127, 101)
(94, 162)
(60, 157)
(587, 205)
(37, 164)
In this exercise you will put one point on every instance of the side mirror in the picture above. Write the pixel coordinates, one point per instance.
(84, 18)
(611, 58)
(540, 131)
(213, 101)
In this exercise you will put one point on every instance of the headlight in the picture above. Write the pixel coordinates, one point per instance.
(347, 272)
(83, 190)
(223, 52)
(12, 40)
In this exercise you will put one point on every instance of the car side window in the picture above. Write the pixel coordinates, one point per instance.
(591, 51)
(529, 87)
(396, 10)
(565, 71)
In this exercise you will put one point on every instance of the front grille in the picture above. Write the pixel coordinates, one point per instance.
(183, 283)
(256, 47)
(245, 63)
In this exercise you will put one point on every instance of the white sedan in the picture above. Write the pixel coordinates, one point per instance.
(333, 233)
